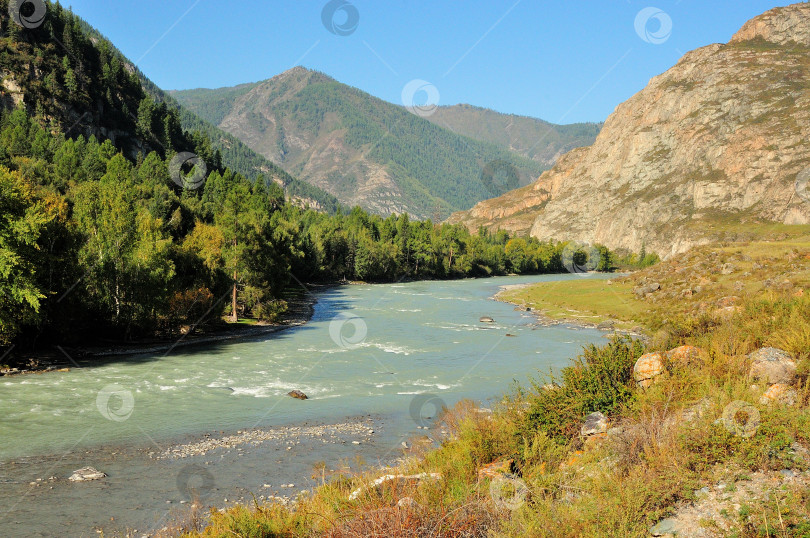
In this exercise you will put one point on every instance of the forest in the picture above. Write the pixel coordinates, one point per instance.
(100, 237)
(92, 241)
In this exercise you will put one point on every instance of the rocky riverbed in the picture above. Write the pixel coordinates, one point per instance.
(346, 432)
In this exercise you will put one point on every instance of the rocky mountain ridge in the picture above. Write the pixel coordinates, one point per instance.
(376, 154)
(715, 142)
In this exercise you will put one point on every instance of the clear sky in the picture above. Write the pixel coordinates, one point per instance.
(563, 60)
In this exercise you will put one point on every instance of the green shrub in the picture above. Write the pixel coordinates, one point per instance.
(601, 379)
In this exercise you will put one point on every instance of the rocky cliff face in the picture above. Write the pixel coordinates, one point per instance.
(715, 142)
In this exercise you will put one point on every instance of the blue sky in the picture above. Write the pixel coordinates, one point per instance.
(562, 61)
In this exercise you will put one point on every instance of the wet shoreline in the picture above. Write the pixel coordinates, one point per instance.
(62, 359)
(217, 469)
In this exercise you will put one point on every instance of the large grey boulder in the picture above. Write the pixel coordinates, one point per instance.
(595, 424)
(772, 366)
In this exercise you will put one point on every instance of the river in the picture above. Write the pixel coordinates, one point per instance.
(380, 356)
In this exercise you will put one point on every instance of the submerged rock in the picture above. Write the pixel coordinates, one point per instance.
(298, 394)
(486, 319)
(86, 474)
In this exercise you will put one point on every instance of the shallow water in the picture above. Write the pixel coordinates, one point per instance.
(390, 353)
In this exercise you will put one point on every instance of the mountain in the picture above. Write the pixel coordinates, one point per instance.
(363, 150)
(536, 139)
(68, 72)
(715, 144)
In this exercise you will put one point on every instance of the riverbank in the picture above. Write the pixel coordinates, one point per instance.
(300, 308)
(699, 431)
(420, 347)
(551, 304)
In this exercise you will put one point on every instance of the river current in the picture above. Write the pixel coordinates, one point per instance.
(385, 356)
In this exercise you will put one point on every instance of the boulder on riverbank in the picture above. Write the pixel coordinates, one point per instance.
(298, 394)
(496, 469)
(87, 474)
(595, 424)
(647, 369)
(399, 479)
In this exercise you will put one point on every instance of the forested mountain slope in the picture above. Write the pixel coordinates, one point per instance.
(365, 151)
(536, 139)
(102, 236)
(70, 74)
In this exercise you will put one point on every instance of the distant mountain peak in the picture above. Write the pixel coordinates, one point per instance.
(781, 25)
(712, 146)
(373, 153)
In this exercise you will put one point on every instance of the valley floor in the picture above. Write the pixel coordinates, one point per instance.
(702, 428)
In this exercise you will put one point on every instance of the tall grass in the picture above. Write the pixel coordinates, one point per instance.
(666, 443)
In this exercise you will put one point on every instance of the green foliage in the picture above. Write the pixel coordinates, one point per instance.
(632, 260)
(530, 137)
(599, 380)
(128, 253)
(436, 170)
(22, 220)
(97, 240)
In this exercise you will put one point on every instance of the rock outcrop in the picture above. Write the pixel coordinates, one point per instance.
(721, 138)
(647, 369)
(772, 366)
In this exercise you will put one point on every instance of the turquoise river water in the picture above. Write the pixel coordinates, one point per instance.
(382, 355)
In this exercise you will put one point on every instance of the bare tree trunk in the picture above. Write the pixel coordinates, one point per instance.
(233, 313)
